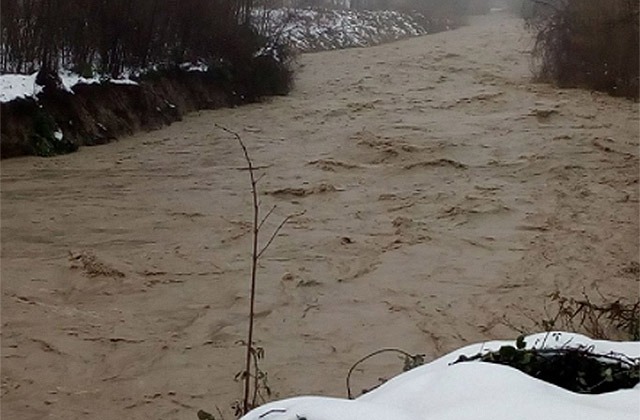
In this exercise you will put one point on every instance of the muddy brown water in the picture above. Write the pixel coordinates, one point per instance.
(443, 193)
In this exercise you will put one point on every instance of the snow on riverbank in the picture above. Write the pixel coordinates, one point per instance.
(14, 86)
(472, 391)
(315, 30)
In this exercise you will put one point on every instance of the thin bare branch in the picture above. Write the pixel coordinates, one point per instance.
(368, 356)
(264, 219)
(250, 166)
(276, 231)
(260, 177)
(256, 167)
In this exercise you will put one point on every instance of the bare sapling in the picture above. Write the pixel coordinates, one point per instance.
(252, 376)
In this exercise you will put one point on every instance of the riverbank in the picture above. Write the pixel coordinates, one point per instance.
(46, 122)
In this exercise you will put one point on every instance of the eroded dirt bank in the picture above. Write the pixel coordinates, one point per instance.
(442, 190)
(99, 113)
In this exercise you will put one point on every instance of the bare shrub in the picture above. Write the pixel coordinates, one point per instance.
(587, 43)
(608, 319)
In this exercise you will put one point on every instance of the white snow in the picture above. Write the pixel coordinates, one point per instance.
(13, 86)
(58, 134)
(125, 81)
(472, 391)
(198, 66)
(315, 29)
(70, 79)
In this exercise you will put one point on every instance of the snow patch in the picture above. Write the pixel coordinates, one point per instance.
(198, 66)
(14, 86)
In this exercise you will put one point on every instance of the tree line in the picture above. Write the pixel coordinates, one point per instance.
(111, 36)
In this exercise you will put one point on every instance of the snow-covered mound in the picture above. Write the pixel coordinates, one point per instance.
(472, 391)
(315, 30)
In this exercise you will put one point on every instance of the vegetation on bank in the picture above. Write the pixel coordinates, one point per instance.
(585, 43)
(156, 42)
(578, 369)
(123, 37)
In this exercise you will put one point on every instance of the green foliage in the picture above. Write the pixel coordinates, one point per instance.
(43, 140)
(576, 369)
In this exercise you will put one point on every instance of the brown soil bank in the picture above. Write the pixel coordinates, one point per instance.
(98, 113)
